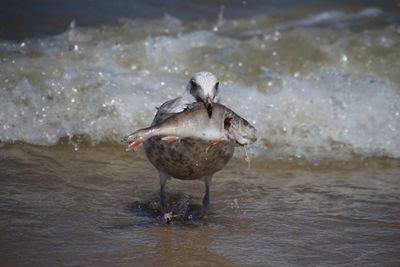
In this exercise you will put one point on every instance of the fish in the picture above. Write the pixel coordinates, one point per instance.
(194, 122)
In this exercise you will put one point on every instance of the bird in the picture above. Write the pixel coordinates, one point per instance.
(202, 87)
(188, 159)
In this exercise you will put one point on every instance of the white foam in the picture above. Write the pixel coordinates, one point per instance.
(84, 82)
(327, 114)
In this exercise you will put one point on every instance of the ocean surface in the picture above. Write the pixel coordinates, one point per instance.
(318, 79)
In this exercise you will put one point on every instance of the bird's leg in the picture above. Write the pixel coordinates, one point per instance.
(167, 216)
(206, 198)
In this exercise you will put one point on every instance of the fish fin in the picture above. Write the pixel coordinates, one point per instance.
(213, 143)
(170, 138)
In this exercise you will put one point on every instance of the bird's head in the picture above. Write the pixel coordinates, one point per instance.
(203, 86)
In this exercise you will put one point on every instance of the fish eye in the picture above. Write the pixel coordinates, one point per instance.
(227, 123)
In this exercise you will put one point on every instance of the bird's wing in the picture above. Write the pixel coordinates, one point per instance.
(171, 106)
(168, 108)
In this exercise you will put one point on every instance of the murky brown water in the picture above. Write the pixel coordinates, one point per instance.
(79, 208)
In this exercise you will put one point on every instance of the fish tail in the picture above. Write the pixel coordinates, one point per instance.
(134, 140)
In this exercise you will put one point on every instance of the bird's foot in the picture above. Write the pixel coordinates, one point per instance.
(167, 217)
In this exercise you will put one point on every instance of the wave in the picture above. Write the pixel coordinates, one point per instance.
(105, 82)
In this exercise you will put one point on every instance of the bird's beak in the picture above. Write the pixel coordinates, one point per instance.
(209, 106)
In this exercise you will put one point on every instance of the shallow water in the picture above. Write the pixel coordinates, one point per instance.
(319, 81)
(63, 207)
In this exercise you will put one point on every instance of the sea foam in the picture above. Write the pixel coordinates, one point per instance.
(106, 82)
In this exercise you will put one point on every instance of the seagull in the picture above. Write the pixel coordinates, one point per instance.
(188, 159)
(202, 87)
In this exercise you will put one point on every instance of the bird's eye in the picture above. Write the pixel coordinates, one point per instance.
(216, 86)
(193, 87)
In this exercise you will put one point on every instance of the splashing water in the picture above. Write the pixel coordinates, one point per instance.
(311, 92)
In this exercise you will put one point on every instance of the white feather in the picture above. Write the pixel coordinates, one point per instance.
(205, 81)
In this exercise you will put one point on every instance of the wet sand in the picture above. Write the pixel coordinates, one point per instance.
(79, 208)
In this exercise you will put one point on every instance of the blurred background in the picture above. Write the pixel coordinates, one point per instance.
(39, 18)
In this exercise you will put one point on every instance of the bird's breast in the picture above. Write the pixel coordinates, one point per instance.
(188, 158)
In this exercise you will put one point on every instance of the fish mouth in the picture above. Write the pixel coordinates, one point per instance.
(239, 140)
(244, 142)
(246, 139)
